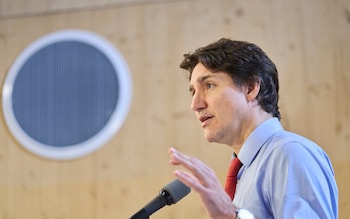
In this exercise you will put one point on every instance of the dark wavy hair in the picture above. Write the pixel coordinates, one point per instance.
(245, 62)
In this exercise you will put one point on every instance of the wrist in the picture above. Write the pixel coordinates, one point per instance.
(243, 214)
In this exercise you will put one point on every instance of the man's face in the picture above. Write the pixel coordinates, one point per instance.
(220, 106)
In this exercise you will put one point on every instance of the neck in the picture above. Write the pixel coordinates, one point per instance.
(236, 146)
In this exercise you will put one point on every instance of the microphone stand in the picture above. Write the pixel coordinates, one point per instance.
(158, 202)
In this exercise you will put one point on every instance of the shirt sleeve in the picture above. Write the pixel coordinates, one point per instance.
(301, 183)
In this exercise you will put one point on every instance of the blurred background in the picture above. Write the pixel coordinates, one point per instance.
(309, 41)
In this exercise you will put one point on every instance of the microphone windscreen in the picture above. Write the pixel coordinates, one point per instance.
(177, 190)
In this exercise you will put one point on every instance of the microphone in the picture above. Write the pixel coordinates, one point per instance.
(170, 194)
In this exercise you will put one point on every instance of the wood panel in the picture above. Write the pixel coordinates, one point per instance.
(20, 8)
(309, 45)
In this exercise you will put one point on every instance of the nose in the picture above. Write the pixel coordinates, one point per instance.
(198, 102)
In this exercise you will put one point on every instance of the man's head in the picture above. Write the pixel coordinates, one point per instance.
(245, 63)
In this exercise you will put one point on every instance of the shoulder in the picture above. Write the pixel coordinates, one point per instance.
(295, 151)
(289, 143)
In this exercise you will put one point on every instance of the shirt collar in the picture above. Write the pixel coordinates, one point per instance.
(257, 138)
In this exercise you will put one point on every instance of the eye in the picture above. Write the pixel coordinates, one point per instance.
(192, 91)
(209, 85)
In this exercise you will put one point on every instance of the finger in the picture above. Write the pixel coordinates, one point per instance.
(197, 167)
(189, 180)
(180, 158)
(173, 159)
(191, 163)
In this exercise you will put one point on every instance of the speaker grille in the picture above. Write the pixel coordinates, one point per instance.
(66, 94)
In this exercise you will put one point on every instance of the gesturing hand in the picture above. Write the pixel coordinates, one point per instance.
(204, 181)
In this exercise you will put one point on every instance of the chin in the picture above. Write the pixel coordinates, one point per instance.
(210, 138)
(215, 137)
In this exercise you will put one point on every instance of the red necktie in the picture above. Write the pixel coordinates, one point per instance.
(231, 179)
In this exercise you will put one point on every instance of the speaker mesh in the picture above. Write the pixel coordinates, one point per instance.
(65, 93)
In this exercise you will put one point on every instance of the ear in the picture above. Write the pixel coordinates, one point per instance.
(253, 89)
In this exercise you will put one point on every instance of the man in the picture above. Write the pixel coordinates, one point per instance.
(234, 87)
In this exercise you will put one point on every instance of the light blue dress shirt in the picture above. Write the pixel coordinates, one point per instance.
(285, 175)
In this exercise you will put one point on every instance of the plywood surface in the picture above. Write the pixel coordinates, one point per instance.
(310, 46)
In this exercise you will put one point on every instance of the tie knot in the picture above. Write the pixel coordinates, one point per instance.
(235, 165)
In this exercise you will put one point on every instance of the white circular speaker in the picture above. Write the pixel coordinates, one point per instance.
(67, 94)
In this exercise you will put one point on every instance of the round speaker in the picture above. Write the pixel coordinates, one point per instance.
(67, 94)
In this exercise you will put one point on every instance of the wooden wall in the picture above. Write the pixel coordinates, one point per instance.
(309, 40)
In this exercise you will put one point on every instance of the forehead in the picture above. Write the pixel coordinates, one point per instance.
(200, 74)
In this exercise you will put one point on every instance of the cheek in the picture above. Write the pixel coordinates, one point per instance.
(224, 112)
(230, 107)
(228, 102)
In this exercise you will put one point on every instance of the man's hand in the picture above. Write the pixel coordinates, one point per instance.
(204, 181)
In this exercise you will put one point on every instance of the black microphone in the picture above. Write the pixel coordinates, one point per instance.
(170, 194)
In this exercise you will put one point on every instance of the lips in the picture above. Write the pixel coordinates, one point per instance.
(204, 120)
